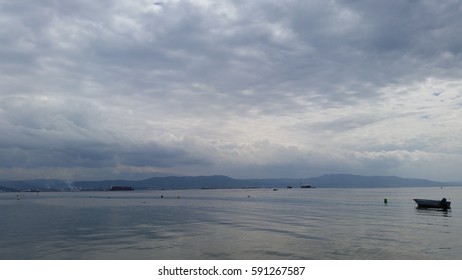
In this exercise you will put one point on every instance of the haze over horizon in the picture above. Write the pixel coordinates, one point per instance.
(249, 89)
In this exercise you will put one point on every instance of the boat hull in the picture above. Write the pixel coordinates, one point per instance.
(428, 203)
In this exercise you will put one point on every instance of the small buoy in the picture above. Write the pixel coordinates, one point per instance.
(385, 201)
(161, 196)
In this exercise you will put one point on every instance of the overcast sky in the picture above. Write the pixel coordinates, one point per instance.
(250, 89)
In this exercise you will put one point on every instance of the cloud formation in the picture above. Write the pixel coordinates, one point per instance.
(111, 89)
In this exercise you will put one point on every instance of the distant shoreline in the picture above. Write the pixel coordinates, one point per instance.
(221, 182)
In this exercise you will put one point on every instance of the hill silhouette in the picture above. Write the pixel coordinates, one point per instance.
(224, 182)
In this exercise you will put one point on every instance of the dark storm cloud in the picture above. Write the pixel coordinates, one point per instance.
(61, 133)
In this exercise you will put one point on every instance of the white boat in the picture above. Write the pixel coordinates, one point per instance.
(428, 203)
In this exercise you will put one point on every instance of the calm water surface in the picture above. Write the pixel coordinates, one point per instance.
(231, 224)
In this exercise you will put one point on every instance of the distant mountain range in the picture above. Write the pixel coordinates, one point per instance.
(222, 182)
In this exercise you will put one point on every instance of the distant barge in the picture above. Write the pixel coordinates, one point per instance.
(121, 188)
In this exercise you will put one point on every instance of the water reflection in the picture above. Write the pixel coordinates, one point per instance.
(230, 224)
(434, 212)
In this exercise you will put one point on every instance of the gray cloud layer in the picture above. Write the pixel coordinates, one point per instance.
(249, 89)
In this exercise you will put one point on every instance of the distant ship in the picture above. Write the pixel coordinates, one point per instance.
(305, 186)
(121, 188)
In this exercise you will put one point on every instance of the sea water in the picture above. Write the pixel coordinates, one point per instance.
(216, 224)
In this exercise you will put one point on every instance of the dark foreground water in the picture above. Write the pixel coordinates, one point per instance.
(231, 224)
